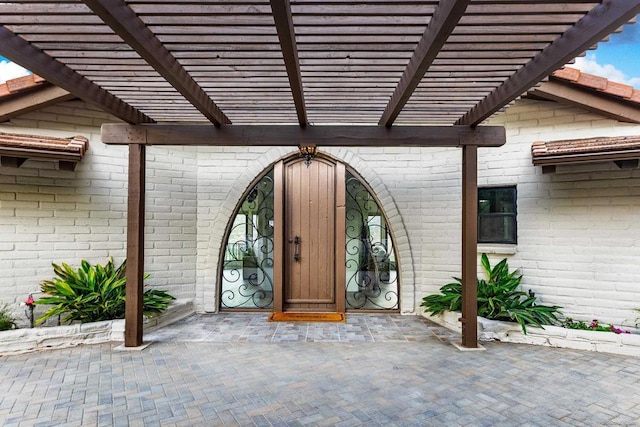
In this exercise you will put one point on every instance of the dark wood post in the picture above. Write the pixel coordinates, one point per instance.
(135, 247)
(469, 246)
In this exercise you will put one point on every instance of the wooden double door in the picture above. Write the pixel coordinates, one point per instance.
(311, 209)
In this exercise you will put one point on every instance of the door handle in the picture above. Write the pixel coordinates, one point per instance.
(296, 248)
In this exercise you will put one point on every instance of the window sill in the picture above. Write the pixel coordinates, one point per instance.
(497, 249)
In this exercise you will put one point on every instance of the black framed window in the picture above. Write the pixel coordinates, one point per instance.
(497, 215)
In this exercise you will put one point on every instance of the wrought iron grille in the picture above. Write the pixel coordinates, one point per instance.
(247, 270)
(372, 276)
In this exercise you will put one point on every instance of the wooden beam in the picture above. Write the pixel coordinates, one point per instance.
(293, 135)
(547, 169)
(442, 23)
(135, 247)
(33, 100)
(595, 25)
(611, 107)
(286, 34)
(124, 21)
(469, 246)
(65, 165)
(627, 164)
(12, 162)
(19, 51)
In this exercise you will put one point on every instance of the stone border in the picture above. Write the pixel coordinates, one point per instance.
(551, 336)
(26, 340)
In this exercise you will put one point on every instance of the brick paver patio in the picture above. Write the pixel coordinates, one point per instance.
(236, 369)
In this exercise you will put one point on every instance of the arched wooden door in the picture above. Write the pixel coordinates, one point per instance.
(313, 201)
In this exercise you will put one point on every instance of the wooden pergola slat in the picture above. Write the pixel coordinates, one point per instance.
(286, 34)
(442, 24)
(596, 24)
(16, 49)
(119, 16)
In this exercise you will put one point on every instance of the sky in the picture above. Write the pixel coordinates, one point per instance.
(617, 59)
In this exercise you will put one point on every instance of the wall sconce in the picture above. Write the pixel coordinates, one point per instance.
(307, 152)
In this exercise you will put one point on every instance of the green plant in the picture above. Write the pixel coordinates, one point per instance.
(498, 298)
(93, 293)
(7, 321)
(593, 326)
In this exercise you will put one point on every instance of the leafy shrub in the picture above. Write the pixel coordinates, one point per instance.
(93, 293)
(7, 321)
(498, 298)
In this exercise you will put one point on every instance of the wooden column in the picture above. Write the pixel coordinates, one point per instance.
(135, 247)
(469, 246)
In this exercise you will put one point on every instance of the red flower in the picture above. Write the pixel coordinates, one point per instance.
(29, 301)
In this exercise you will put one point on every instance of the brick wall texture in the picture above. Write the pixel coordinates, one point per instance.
(578, 229)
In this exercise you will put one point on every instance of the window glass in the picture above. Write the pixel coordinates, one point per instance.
(497, 215)
(372, 275)
(247, 269)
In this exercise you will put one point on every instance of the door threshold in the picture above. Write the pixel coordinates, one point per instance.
(291, 316)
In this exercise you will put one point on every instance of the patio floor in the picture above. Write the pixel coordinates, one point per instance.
(392, 370)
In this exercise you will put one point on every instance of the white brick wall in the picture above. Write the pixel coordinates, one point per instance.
(225, 173)
(578, 229)
(48, 215)
(578, 234)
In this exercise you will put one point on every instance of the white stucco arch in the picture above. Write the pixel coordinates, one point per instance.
(207, 289)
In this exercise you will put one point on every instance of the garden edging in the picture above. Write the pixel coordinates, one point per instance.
(33, 339)
(552, 336)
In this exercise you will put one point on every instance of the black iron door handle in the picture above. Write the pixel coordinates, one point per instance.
(296, 248)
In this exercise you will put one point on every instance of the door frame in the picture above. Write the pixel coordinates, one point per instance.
(279, 239)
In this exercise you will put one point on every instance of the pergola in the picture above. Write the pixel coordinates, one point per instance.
(302, 72)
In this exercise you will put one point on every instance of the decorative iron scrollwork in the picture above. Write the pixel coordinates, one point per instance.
(372, 277)
(247, 270)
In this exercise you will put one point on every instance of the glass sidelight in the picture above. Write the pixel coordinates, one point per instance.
(247, 269)
(372, 275)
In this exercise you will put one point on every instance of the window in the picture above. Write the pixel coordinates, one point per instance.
(497, 215)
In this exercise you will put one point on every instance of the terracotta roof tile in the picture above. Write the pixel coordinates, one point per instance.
(635, 97)
(589, 149)
(600, 84)
(619, 89)
(43, 147)
(570, 74)
(20, 84)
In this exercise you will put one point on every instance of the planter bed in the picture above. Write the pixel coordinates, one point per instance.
(39, 338)
(552, 336)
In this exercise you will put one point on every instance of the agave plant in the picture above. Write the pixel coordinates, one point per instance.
(93, 293)
(498, 298)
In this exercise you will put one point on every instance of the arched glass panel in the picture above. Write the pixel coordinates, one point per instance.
(247, 269)
(372, 276)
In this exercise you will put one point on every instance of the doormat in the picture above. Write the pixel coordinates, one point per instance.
(307, 317)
